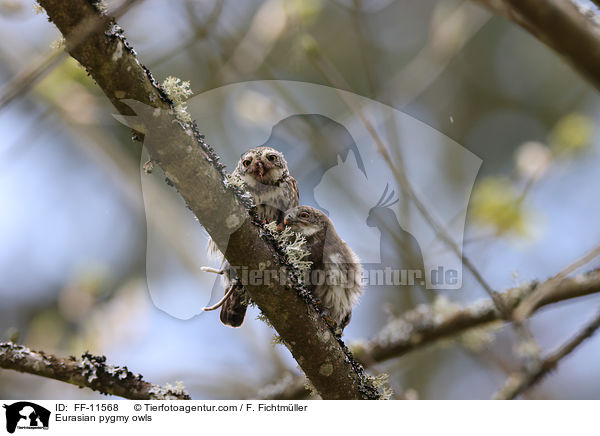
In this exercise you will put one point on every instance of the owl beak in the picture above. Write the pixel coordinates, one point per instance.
(287, 221)
(260, 170)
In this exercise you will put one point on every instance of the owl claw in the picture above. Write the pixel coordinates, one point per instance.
(328, 319)
(333, 325)
(221, 302)
(211, 270)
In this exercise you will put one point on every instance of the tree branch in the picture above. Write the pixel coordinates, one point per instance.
(530, 303)
(90, 372)
(423, 325)
(428, 324)
(519, 383)
(193, 168)
(562, 26)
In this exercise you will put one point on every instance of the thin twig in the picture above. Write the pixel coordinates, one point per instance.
(201, 31)
(520, 382)
(446, 40)
(42, 65)
(527, 306)
(332, 75)
(424, 326)
(194, 170)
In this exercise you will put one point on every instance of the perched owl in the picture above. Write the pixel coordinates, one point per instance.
(335, 275)
(263, 172)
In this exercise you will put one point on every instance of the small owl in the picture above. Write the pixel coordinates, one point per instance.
(264, 173)
(335, 275)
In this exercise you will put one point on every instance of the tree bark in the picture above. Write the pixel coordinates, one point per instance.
(89, 371)
(193, 168)
(423, 326)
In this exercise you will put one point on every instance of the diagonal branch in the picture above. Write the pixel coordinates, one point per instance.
(193, 168)
(426, 324)
(562, 25)
(23, 81)
(519, 383)
(87, 372)
(423, 325)
(528, 304)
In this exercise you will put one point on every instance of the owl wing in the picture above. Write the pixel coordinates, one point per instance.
(295, 201)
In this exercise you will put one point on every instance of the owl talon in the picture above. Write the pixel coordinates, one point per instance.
(211, 270)
(329, 320)
(263, 173)
(221, 301)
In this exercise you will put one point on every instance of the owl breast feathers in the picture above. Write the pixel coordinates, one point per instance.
(336, 273)
(264, 174)
(335, 276)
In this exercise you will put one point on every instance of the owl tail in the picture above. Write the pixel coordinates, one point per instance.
(234, 307)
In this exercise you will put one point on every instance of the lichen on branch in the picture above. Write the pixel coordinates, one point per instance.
(88, 371)
(193, 168)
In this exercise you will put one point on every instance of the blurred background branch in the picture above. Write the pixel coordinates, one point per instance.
(46, 62)
(444, 320)
(106, 258)
(192, 167)
(520, 382)
(561, 24)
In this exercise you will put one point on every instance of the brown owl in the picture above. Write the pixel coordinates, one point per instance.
(336, 272)
(263, 172)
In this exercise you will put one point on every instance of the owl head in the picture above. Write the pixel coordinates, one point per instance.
(262, 165)
(307, 220)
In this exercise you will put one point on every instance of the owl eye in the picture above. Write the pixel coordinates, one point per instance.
(246, 163)
(303, 214)
(272, 157)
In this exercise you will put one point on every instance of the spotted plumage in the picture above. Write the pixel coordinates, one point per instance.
(262, 172)
(335, 276)
(265, 174)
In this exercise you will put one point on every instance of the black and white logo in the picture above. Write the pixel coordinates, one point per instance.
(26, 415)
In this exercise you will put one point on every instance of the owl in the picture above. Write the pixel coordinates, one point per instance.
(263, 172)
(336, 273)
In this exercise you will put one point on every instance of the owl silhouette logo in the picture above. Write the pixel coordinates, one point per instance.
(384, 239)
(26, 415)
